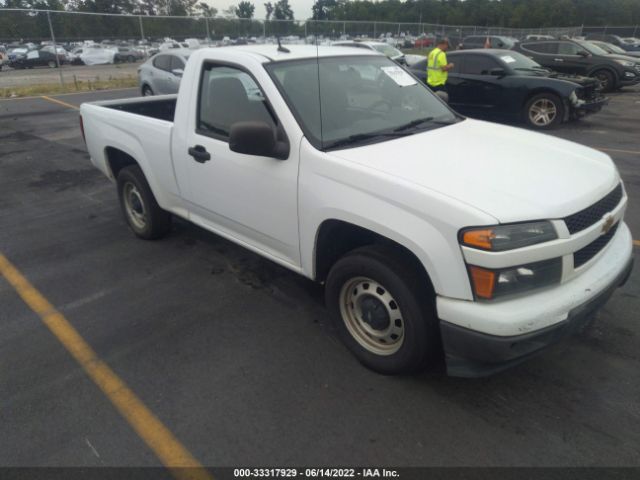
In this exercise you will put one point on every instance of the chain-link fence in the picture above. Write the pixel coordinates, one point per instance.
(30, 29)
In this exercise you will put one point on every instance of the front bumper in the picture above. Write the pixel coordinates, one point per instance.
(506, 333)
(589, 106)
(629, 77)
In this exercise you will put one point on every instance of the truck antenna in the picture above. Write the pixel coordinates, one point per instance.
(281, 48)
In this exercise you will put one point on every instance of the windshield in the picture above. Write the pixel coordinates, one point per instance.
(517, 61)
(361, 99)
(591, 48)
(387, 50)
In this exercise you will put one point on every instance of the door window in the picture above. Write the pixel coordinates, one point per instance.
(548, 47)
(176, 63)
(566, 48)
(163, 62)
(479, 65)
(229, 95)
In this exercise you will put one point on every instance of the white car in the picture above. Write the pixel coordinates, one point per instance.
(381, 47)
(95, 55)
(431, 232)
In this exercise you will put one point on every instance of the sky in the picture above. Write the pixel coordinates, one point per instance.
(301, 8)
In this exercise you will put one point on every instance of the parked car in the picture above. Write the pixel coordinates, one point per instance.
(161, 74)
(98, 55)
(634, 41)
(43, 57)
(614, 49)
(430, 232)
(615, 39)
(127, 54)
(424, 41)
(479, 41)
(502, 84)
(381, 47)
(539, 37)
(581, 57)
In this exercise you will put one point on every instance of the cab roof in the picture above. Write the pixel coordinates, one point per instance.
(296, 52)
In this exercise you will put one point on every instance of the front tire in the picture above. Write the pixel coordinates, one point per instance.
(544, 111)
(140, 208)
(383, 310)
(607, 80)
(146, 91)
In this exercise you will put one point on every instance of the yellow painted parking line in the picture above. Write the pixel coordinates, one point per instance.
(615, 150)
(59, 102)
(167, 448)
(31, 97)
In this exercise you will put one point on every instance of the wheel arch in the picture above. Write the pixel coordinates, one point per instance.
(608, 68)
(335, 238)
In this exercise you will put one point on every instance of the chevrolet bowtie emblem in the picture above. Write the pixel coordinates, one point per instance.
(608, 223)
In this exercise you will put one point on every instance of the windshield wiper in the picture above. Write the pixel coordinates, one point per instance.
(361, 137)
(420, 121)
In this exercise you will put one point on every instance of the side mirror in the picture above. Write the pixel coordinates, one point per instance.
(583, 53)
(257, 138)
(497, 72)
(177, 72)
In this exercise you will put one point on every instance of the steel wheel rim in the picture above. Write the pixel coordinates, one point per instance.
(134, 206)
(357, 297)
(543, 112)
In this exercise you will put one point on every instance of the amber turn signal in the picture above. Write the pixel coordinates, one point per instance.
(483, 282)
(479, 238)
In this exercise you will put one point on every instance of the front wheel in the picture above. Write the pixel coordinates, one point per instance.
(140, 208)
(607, 80)
(146, 91)
(544, 111)
(383, 310)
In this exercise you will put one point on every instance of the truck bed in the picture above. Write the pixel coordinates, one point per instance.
(162, 108)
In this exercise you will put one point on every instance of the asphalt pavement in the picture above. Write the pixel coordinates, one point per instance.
(233, 354)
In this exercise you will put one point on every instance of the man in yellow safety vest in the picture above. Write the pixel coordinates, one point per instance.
(437, 66)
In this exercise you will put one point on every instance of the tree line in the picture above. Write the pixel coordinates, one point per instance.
(495, 13)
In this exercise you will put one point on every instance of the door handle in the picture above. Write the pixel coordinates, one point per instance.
(199, 154)
(558, 60)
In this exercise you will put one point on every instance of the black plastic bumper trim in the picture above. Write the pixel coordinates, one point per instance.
(474, 354)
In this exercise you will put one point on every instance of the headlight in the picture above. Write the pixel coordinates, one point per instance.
(626, 63)
(490, 284)
(508, 237)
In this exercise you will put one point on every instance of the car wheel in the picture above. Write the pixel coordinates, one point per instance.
(544, 111)
(51, 64)
(377, 302)
(141, 211)
(146, 91)
(606, 78)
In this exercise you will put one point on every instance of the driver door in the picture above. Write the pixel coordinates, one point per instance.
(252, 199)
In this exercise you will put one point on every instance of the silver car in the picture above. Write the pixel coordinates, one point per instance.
(161, 74)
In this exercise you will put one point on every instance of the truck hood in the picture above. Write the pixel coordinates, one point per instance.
(509, 173)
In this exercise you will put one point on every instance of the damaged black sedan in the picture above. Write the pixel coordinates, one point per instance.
(506, 85)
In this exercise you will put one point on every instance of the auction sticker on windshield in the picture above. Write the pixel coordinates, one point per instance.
(508, 59)
(398, 75)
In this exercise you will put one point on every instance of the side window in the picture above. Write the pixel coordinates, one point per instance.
(566, 48)
(163, 62)
(458, 61)
(176, 63)
(547, 47)
(479, 65)
(229, 95)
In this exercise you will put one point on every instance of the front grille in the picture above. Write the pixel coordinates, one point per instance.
(585, 254)
(590, 215)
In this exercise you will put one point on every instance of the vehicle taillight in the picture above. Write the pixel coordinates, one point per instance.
(82, 129)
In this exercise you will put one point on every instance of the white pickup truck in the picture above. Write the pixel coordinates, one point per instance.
(436, 236)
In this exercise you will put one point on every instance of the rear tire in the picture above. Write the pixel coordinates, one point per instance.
(607, 80)
(383, 310)
(544, 111)
(140, 208)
